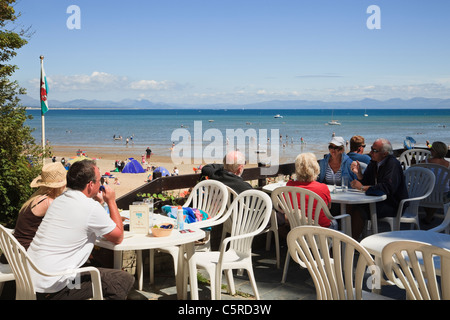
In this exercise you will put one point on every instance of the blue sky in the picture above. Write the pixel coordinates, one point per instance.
(229, 51)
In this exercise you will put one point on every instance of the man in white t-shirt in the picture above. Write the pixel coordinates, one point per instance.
(67, 234)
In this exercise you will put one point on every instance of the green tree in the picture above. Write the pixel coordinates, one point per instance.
(20, 157)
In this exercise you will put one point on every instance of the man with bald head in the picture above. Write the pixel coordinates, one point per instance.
(229, 173)
(383, 175)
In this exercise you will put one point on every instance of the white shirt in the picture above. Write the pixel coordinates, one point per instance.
(66, 237)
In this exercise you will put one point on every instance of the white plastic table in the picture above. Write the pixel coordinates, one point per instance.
(344, 198)
(141, 242)
(376, 242)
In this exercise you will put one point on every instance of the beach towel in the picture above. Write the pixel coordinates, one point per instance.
(190, 214)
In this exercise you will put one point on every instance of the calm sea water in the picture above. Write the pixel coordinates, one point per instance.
(155, 128)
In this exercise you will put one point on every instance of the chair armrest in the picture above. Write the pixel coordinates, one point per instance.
(95, 276)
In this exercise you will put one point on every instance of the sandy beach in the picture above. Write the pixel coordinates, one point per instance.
(106, 158)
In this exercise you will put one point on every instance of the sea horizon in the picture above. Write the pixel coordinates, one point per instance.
(161, 129)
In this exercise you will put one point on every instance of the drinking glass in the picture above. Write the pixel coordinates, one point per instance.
(149, 203)
(344, 183)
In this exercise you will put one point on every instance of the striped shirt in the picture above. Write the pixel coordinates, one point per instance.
(333, 178)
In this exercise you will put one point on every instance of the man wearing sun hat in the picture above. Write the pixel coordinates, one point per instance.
(67, 234)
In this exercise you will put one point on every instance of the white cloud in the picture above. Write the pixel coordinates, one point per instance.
(101, 82)
(148, 85)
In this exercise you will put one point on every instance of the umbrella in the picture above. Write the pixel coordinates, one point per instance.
(164, 171)
(80, 158)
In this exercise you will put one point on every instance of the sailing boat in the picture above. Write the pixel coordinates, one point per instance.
(365, 113)
(333, 122)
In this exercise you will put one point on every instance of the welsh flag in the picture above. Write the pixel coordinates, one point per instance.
(44, 90)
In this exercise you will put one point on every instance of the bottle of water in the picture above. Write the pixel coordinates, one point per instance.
(180, 218)
(105, 206)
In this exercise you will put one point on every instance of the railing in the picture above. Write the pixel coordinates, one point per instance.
(187, 181)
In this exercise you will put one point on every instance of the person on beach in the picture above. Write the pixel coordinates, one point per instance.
(438, 153)
(67, 234)
(50, 183)
(229, 173)
(306, 172)
(148, 152)
(336, 164)
(356, 153)
(383, 175)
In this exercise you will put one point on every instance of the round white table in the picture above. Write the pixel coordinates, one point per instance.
(376, 242)
(344, 198)
(141, 242)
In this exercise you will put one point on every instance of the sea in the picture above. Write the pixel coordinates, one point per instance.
(289, 132)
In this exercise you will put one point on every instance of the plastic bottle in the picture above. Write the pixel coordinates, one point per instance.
(105, 206)
(180, 218)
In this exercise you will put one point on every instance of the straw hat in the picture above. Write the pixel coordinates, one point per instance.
(53, 175)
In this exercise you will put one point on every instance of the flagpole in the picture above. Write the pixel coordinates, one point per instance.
(42, 114)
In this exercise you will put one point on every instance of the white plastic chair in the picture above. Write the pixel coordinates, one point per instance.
(420, 184)
(211, 196)
(273, 227)
(285, 200)
(6, 273)
(416, 266)
(442, 174)
(21, 264)
(250, 213)
(445, 224)
(336, 262)
(413, 156)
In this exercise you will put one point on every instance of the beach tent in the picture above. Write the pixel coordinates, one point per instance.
(164, 171)
(133, 166)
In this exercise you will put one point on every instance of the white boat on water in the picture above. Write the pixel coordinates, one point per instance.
(334, 123)
(277, 116)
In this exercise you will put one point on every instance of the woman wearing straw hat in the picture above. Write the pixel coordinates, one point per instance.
(51, 183)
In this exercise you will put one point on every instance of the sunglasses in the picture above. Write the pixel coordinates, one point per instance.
(363, 145)
(334, 147)
(374, 150)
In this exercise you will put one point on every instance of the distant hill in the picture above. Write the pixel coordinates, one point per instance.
(415, 103)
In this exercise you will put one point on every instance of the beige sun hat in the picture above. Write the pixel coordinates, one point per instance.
(53, 175)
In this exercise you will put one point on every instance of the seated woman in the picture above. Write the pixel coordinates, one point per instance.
(306, 172)
(51, 183)
(336, 164)
(438, 152)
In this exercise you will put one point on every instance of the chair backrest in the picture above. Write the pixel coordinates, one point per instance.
(301, 206)
(416, 266)
(250, 214)
(420, 184)
(413, 156)
(441, 186)
(211, 196)
(337, 273)
(19, 262)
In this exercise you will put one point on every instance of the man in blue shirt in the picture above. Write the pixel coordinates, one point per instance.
(356, 153)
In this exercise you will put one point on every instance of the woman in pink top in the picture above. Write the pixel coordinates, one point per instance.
(306, 171)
